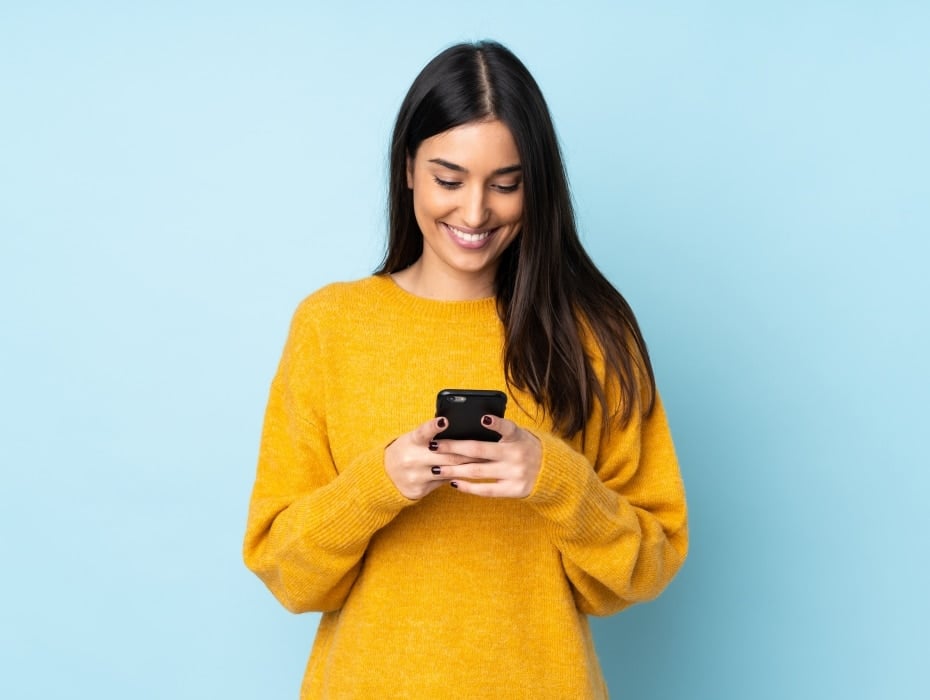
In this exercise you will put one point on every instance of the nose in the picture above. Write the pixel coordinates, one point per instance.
(474, 207)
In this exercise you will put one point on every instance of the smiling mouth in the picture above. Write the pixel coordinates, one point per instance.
(470, 237)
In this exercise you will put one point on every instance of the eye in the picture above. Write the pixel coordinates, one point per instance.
(507, 189)
(447, 184)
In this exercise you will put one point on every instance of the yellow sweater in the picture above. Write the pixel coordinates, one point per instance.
(451, 596)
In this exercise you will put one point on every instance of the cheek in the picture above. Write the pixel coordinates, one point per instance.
(421, 203)
(427, 209)
(514, 211)
(432, 203)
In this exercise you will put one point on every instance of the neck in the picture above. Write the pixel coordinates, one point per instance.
(444, 285)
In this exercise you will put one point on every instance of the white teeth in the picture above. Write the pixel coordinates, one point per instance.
(470, 237)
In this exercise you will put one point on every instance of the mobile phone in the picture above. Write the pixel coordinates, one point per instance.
(464, 409)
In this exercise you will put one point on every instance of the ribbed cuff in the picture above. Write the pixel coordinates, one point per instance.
(569, 494)
(365, 500)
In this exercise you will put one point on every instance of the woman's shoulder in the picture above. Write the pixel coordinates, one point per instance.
(336, 298)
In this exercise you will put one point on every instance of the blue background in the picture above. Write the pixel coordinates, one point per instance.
(174, 179)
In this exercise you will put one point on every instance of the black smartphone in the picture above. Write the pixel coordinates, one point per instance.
(464, 409)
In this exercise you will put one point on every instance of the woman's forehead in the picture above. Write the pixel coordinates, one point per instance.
(482, 141)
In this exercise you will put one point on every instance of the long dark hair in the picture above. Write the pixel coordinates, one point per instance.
(550, 295)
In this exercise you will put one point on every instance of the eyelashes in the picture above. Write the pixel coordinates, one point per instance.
(452, 185)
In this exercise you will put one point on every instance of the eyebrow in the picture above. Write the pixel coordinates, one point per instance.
(459, 169)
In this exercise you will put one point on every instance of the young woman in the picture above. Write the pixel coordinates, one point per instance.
(457, 568)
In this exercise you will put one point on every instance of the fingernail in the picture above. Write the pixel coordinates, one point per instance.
(433, 445)
(453, 484)
(487, 420)
(441, 422)
(435, 470)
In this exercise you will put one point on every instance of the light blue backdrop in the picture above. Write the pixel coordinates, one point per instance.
(174, 178)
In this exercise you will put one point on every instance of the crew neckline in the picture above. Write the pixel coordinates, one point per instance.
(443, 308)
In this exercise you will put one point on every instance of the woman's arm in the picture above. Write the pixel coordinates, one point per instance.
(620, 524)
(309, 524)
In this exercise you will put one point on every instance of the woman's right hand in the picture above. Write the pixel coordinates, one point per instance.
(409, 460)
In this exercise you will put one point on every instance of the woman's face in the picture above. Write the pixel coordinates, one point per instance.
(468, 199)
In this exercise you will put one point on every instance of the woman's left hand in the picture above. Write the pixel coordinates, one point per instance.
(505, 469)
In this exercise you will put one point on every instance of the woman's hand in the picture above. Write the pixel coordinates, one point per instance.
(413, 463)
(506, 469)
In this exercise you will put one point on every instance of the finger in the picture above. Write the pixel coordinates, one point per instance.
(437, 473)
(479, 470)
(507, 428)
(468, 450)
(487, 489)
(423, 434)
(451, 460)
(452, 466)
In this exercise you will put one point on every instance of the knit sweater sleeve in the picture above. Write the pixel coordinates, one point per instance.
(309, 524)
(620, 522)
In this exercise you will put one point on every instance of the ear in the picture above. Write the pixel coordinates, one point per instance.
(409, 173)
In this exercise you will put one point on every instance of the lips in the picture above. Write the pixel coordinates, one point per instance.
(469, 237)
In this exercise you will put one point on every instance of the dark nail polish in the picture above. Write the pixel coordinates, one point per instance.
(433, 445)
(435, 470)
(441, 422)
(453, 484)
(486, 420)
